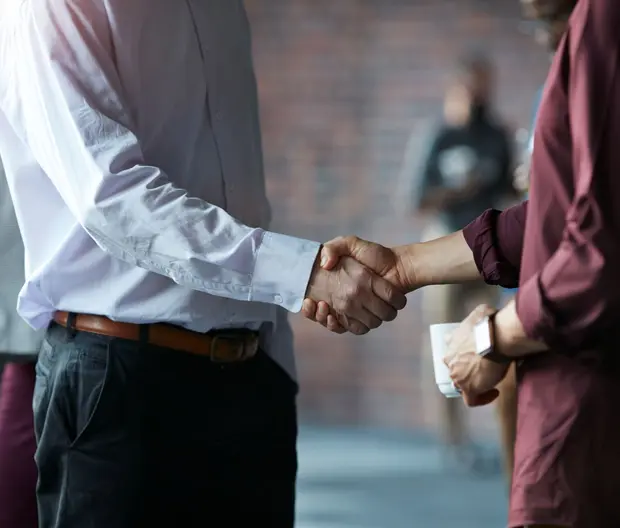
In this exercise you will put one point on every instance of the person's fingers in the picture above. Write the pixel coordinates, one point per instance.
(479, 400)
(358, 328)
(387, 292)
(336, 248)
(309, 309)
(334, 326)
(480, 312)
(378, 308)
(322, 312)
(352, 325)
(360, 300)
(362, 305)
(363, 313)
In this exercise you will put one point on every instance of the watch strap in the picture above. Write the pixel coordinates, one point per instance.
(487, 349)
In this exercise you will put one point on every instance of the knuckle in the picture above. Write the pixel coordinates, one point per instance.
(366, 275)
(359, 273)
(355, 291)
(339, 304)
(348, 303)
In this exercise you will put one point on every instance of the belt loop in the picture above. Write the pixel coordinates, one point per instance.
(144, 334)
(71, 322)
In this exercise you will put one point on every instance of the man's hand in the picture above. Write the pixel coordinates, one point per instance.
(475, 376)
(360, 298)
(386, 263)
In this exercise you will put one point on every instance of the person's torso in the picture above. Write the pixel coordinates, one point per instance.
(187, 74)
(552, 174)
(479, 149)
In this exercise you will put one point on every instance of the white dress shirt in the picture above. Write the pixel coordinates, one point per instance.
(131, 141)
(16, 337)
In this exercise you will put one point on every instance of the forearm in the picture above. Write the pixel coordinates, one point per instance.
(446, 260)
(510, 337)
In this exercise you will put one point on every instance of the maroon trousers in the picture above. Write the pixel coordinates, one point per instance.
(18, 472)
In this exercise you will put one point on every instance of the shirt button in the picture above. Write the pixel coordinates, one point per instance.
(278, 299)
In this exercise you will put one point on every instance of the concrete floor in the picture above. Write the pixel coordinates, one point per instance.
(366, 479)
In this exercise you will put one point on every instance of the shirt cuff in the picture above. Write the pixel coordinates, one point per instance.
(481, 237)
(537, 320)
(282, 270)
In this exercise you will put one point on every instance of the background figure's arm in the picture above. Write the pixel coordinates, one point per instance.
(429, 194)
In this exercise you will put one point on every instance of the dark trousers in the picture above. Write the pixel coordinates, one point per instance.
(130, 435)
(18, 473)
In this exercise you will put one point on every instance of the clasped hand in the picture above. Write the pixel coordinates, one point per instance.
(475, 376)
(355, 286)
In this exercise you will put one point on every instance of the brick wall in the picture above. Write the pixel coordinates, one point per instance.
(346, 88)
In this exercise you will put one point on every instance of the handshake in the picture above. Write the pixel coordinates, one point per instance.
(356, 285)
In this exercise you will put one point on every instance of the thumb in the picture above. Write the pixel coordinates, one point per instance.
(334, 249)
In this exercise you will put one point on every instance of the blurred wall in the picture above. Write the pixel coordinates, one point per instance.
(347, 87)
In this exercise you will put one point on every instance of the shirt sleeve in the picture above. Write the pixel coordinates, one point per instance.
(496, 241)
(575, 297)
(82, 133)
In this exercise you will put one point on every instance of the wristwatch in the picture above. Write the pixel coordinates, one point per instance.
(484, 335)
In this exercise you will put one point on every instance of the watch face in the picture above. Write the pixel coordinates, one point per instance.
(482, 336)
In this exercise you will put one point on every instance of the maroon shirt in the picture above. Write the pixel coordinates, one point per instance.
(569, 264)
(562, 248)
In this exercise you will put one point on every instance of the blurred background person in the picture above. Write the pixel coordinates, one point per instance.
(548, 20)
(467, 170)
(18, 352)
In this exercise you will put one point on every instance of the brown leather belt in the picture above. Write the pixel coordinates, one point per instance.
(225, 346)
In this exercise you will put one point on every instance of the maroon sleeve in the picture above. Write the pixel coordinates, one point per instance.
(496, 240)
(574, 300)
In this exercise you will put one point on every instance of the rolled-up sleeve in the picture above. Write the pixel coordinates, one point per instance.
(574, 300)
(496, 241)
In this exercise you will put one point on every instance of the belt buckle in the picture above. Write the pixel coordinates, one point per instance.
(243, 347)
